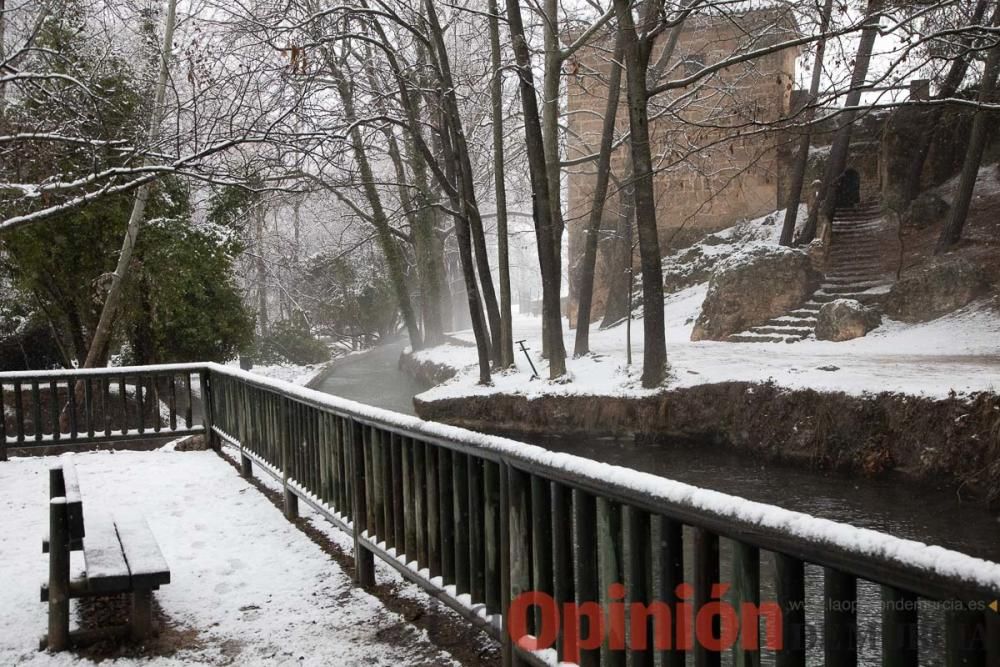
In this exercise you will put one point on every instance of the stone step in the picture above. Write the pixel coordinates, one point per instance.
(847, 288)
(795, 320)
(833, 286)
(856, 272)
(857, 225)
(803, 315)
(754, 338)
(784, 331)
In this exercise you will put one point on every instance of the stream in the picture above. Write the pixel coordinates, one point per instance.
(892, 506)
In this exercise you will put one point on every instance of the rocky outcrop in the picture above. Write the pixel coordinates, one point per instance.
(935, 289)
(926, 210)
(844, 319)
(753, 287)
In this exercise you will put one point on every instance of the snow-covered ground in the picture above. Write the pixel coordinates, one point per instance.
(959, 352)
(248, 585)
(288, 372)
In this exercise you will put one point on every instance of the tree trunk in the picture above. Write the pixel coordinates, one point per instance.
(466, 180)
(548, 258)
(925, 139)
(387, 242)
(585, 287)
(826, 202)
(421, 225)
(551, 79)
(503, 260)
(654, 365)
(619, 303)
(260, 269)
(952, 231)
(802, 158)
(99, 343)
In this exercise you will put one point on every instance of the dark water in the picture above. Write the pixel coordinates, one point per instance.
(373, 377)
(890, 506)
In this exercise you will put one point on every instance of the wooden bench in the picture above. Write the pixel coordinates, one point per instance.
(120, 556)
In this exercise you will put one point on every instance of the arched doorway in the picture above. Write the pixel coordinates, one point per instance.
(849, 189)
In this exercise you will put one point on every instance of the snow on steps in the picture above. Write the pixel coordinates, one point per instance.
(855, 268)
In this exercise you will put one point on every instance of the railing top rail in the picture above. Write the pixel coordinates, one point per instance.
(105, 371)
(930, 571)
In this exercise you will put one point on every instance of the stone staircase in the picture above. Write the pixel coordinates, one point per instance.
(854, 266)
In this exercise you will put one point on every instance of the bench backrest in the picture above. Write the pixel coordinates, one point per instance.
(63, 483)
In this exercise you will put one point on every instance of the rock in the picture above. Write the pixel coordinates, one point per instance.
(935, 289)
(844, 319)
(752, 287)
(926, 210)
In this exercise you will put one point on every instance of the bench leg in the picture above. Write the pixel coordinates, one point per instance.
(142, 614)
(58, 638)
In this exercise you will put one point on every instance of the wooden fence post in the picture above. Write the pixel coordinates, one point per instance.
(364, 560)
(291, 501)
(207, 411)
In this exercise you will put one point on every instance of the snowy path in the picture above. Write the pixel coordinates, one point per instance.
(252, 586)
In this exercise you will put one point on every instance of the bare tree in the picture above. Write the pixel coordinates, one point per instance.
(952, 231)
(548, 257)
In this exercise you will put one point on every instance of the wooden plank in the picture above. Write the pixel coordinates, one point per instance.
(667, 537)
(53, 411)
(421, 512)
(460, 517)
(562, 546)
(519, 535)
(3, 426)
(409, 500)
(18, 412)
(172, 401)
(68, 486)
(541, 539)
(639, 588)
(790, 590)
(609, 572)
(446, 515)
(71, 391)
(746, 590)
(189, 409)
(900, 628)
(840, 618)
(106, 405)
(107, 571)
(491, 531)
(140, 404)
(706, 574)
(88, 407)
(477, 530)
(146, 564)
(965, 638)
(123, 399)
(36, 410)
(585, 579)
(364, 560)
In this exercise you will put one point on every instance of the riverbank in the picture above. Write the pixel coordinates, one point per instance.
(890, 403)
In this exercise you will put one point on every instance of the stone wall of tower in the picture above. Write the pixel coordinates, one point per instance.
(705, 179)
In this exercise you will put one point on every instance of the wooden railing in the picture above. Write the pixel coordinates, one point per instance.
(479, 520)
(80, 407)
